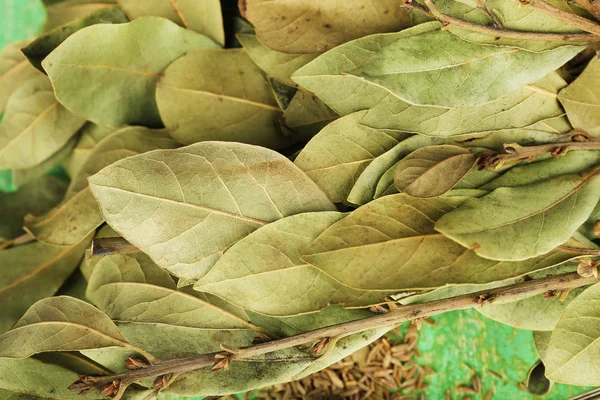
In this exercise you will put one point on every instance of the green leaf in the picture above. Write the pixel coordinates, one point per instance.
(14, 70)
(305, 27)
(264, 273)
(89, 136)
(60, 324)
(78, 215)
(306, 115)
(63, 12)
(525, 221)
(571, 354)
(43, 45)
(408, 65)
(541, 340)
(275, 64)
(33, 379)
(204, 198)
(433, 170)
(391, 244)
(535, 313)
(32, 272)
(518, 109)
(217, 94)
(35, 124)
(336, 156)
(112, 83)
(558, 124)
(581, 100)
(36, 197)
(201, 16)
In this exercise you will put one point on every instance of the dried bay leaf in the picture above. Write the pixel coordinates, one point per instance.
(204, 198)
(35, 124)
(525, 221)
(78, 215)
(14, 70)
(31, 272)
(112, 83)
(303, 27)
(264, 273)
(336, 156)
(408, 65)
(89, 136)
(275, 64)
(306, 115)
(541, 340)
(36, 197)
(536, 313)
(201, 16)
(433, 170)
(571, 353)
(217, 94)
(391, 244)
(22, 177)
(581, 100)
(65, 12)
(43, 45)
(60, 324)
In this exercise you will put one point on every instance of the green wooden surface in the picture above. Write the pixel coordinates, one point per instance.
(463, 342)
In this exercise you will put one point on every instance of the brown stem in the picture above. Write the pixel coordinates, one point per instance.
(432, 11)
(110, 246)
(391, 319)
(572, 19)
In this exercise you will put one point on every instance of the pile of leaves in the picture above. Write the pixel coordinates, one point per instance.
(273, 185)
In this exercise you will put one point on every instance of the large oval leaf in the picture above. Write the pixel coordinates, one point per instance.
(264, 273)
(298, 26)
(201, 16)
(35, 124)
(525, 221)
(433, 170)
(571, 356)
(185, 207)
(391, 244)
(337, 155)
(408, 65)
(216, 94)
(112, 82)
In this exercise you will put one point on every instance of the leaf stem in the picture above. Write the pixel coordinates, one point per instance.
(391, 319)
(110, 246)
(572, 19)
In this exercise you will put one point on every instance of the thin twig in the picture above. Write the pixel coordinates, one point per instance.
(572, 19)
(391, 319)
(110, 246)
(433, 12)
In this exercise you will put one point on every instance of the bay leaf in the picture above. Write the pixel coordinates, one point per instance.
(338, 154)
(302, 27)
(535, 313)
(407, 65)
(306, 115)
(204, 197)
(112, 83)
(275, 64)
(525, 221)
(64, 12)
(588, 229)
(43, 45)
(365, 189)
(581, 100)
(36, 197)
(571, 353)
(32, 272)
(521, 108)
(73, 361)
(137, 290)
(559, 124)
(541, 340)
(78, 214)
(33, 379)
(34, 123)
(14, 70)
(264, 273)
(391, 244)
(217, 94)
(60, 324)
(201, 16)
(433, 170)
(89, 136)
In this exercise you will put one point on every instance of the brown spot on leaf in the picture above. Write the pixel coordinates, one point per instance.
(327, 26)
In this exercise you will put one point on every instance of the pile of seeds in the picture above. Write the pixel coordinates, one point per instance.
(385, 365)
